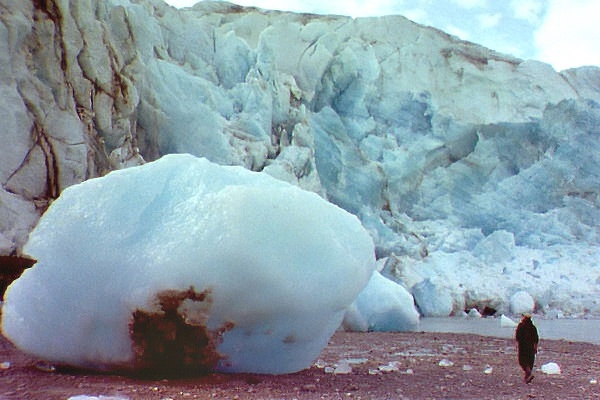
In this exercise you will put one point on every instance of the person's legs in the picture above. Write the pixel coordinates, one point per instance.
(526, 360)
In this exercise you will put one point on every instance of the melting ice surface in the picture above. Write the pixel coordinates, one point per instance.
(382, 306)
(257, 269)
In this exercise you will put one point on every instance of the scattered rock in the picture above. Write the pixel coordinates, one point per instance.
(309, 387)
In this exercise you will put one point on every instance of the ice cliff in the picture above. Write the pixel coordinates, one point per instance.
(476, 173)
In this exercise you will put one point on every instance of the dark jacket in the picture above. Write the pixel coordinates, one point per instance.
(527, 337)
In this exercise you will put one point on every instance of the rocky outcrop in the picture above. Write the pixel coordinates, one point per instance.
(67, 105)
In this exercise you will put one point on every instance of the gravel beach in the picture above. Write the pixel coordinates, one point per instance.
(415, 365)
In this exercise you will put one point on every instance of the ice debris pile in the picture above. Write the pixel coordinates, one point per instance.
(181, 265)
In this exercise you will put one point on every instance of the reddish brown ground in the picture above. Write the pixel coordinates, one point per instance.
(419, 377)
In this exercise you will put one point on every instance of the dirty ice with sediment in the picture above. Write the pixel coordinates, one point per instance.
(474, 175)
(182, 251)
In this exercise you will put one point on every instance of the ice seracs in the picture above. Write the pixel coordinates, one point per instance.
(184, 265)
(477, 171)
(433, 299)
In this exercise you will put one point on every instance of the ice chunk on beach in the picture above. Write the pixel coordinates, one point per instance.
(445, 363)
(506, 322)
(383, 306)
(182, 263)
(551, 368)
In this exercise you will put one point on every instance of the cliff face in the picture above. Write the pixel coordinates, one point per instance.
(66, 103)
(433, 142)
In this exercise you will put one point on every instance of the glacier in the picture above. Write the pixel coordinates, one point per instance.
(184, 266)
(476, 173)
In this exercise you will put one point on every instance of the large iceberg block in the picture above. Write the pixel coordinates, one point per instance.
(182, 264)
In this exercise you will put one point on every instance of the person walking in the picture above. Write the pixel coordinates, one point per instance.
(527, 340)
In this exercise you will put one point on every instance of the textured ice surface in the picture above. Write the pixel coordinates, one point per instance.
(383, 306)
(257, 269)
(521, 302)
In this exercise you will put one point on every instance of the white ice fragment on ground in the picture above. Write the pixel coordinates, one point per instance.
(467, 368)
(343, 368)
(488, 369)
(551, 368)
(5, 365)
(506, 322)
(445, 363)
(593, 381)
(473, 313)
(450, 348)
(409, 371)
(356, 360)
(393, 366)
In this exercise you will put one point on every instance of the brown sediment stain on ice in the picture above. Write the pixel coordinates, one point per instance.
(172, 339)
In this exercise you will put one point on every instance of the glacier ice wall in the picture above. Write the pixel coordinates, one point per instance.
(455, 157)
